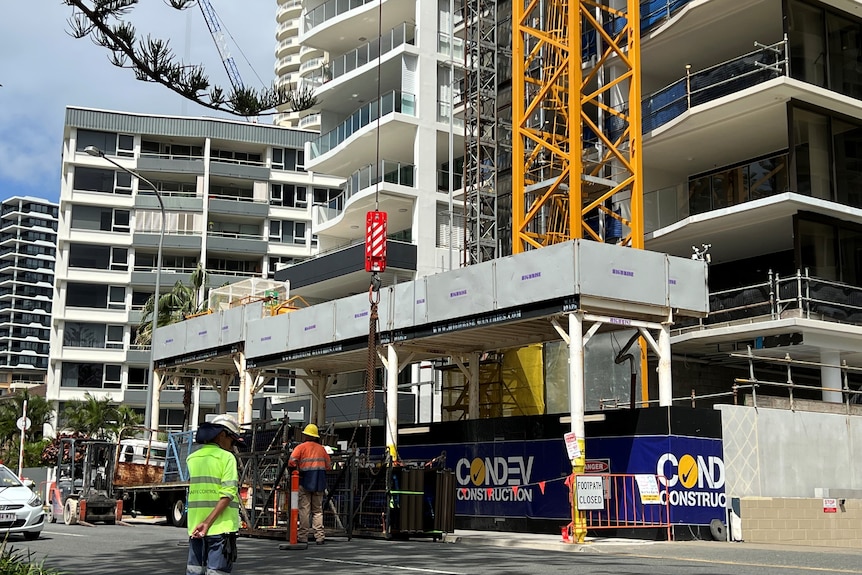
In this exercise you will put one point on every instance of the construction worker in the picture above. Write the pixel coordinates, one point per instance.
(213, 500)
(312, 461)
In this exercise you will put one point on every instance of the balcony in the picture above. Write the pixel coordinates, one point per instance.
(713, 83)
(393, 102)
(310, 122)
(288, 9)
(177, 163)
(369, 52)
(286, 65)
(339, 25)
(758, 179)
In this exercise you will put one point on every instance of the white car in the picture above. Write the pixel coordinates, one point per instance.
(20, 508)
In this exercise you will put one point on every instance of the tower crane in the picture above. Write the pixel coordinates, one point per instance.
(211, 19)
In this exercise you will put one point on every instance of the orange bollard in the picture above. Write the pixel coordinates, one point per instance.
(119, 512)
(294, 515)
(82, 510)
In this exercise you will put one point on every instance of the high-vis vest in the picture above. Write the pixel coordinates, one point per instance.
(212, 475)
(312, 461)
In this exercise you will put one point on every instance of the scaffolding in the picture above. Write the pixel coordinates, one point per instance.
(481, 131)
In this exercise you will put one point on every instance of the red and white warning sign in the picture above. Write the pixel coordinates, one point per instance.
(375, 241)
(830, 506)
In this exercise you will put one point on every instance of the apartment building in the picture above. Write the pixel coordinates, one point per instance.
(238, 201)
(395, 161)
(300, 67)
(28, 239)
(752, 118)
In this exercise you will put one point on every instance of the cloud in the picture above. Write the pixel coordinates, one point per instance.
(44, 69)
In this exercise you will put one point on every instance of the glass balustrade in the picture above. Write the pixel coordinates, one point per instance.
(757, 179)
(397, 36)
(331, 9)
(394, 101)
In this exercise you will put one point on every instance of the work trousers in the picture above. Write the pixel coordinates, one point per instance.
(210, 555)
(310, 502)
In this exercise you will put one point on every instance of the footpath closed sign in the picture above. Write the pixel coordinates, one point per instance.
(590, 492)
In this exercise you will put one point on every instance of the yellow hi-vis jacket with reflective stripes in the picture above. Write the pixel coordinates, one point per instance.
(212, 475)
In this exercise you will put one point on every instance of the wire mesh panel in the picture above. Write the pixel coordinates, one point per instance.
(631, 501)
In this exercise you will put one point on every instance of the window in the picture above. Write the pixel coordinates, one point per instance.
(113, 376)
(123, 183)
(93, 180)
(150, 221)
(90, 375)
(125, 145)
(288, 196)
(116, 297)
(105, 141)
(288, 159)
(120, 259)
(89, 256)
(114, 337)
(287, 232)
(95, 296)
(283, 382)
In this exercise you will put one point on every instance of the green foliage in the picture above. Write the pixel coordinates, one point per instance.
(183, 300)
(98, 418)
(32, 454)
(11, 409)
(17, 562)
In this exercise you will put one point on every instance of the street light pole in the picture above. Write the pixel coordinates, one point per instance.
(148, 407)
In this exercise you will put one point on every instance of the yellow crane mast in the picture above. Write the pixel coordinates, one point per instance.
(576, 123)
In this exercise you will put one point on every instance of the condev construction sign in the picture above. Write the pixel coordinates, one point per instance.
(527, 478)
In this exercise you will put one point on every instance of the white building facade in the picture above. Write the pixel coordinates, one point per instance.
(238, 202)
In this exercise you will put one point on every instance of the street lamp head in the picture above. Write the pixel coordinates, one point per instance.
(94, 151)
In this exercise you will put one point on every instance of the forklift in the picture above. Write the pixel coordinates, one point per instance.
(83, 490)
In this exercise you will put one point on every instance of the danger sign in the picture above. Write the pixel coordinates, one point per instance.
(830, 506)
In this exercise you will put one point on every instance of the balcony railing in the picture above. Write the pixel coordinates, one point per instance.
(331, 9)
(394, 101)
(798, 295)
(758, 179)
(397, 36)
(720, 80)
(393, 173)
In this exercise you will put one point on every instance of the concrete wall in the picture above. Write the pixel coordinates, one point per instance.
(800, 521)
(784, 453)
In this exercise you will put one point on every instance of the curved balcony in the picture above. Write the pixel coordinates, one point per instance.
(287, 65)
(312, 64)
(288, 9)
(393, 102)
(287, 47)
(369, 52)
(337, 25)
(310, 122)
(344, 215)
(287, 29)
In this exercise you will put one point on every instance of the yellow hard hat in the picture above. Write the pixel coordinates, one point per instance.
(311, 431)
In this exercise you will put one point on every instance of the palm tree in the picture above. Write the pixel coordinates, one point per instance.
(11, 408)
(91, 417)
(183, 300)
(127, 420)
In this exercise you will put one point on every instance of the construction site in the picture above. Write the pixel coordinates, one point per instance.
(633, 334)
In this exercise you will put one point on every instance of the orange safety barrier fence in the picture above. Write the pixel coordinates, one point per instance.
(630, 501)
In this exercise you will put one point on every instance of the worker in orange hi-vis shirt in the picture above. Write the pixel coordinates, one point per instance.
(312, 461)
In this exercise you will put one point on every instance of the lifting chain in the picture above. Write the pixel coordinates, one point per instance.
(371, 364)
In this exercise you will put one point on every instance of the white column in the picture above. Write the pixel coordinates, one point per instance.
(157, 394)
(576, 373)
(830, 375)
(665, 382)
(196, 403)
(392, 399)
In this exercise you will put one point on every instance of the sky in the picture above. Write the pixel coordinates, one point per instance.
(43, 70)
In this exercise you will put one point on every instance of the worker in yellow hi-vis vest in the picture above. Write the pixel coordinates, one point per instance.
(213, 503)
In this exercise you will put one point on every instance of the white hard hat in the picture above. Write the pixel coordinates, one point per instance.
(228, 422)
